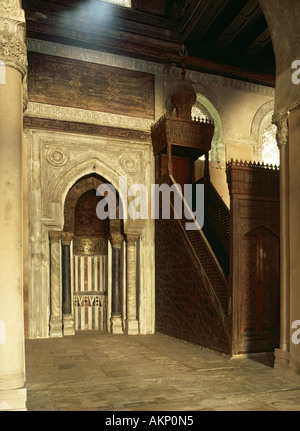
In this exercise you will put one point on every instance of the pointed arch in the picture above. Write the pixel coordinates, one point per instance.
(88, 167)
(212, 106)
(262, 132)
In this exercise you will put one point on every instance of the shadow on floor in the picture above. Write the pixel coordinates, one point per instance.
(264, 358)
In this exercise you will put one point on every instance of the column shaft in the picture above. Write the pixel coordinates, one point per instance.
(13, 58)
(116, 299)
(280, 119)
(68, 321)
(66, 279)
(294, 235)
(284, 247)
(12, 367)
(116, 314)
(55, 285)
(131, 304)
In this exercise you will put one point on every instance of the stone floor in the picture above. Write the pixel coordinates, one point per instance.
(101, 372)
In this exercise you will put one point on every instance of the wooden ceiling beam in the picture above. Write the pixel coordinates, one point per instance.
(233, 72)
(249, 12)
(139, 40)
(194, 13)
(210, 16)
(135, 18)
(260, 42)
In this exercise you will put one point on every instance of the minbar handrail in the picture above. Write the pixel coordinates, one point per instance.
(223, 310)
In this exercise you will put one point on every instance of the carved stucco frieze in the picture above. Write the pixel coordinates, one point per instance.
(54, 112)
(280, 119)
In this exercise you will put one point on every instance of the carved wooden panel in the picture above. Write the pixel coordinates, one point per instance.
(253, 179)
(189, 134)
(255, 226)
(72, 83)
(260, 283)
(184, 308)
(248, 291)
(182, 169)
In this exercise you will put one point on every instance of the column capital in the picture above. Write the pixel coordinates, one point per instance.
(55, 236)
(131, 238)
(12, 9)
(67, 238)
(13, 50)
(280, 119)
(116, 240)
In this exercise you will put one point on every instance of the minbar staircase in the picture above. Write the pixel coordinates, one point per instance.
(193, 299)
(217, 286)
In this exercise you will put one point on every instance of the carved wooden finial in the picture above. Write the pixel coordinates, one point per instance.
(183, 54)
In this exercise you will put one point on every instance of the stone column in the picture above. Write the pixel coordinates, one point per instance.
(55, 284)
(13, 73)
(280, 119)
(132, 327)
(68, 321)
(116, 314)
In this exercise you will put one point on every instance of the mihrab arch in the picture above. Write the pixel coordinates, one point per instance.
(87, 302)
(92, 255)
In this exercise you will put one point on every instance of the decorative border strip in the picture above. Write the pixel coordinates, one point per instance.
(88, 55)
(61, 113)
(85, 129)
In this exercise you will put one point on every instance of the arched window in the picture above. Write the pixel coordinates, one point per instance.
(200, 113)
(269, 150)
(263, 134)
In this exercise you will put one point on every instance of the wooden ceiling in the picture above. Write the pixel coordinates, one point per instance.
(224, 37)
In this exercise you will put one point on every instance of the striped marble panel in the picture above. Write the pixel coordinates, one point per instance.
(90, 292)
